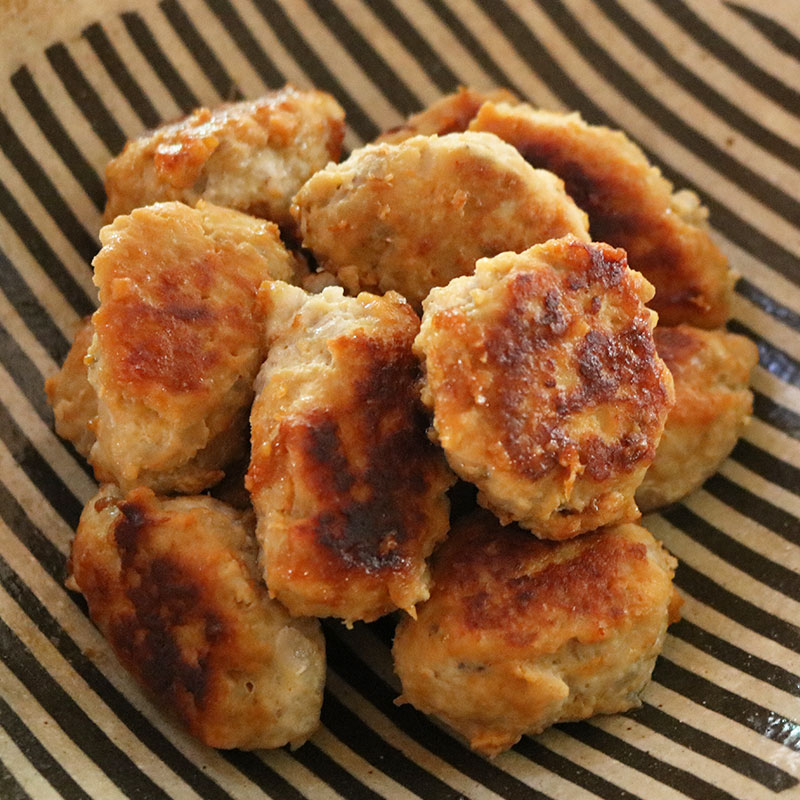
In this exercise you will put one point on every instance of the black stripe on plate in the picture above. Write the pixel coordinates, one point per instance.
(375, 750)
(774, 360)
(736, 608)
(718, 750)
(119, 73)
(735, 228)
(55, 133)
(728, 112)
(634, 757)
(155, 56)
(201, 51)
(48, 767)
(754, 507)
(763, 81)
(25, 374)
(9, 788)
(85, 97)
(269, 781)
(75, 722)
(391, 85)
(37, 320)
(748, 180)
(788, 316)
(247, 43)
(473, 46)
(710, 695)
(767, 466)
(425, 55)
(350, 667)
(315, 67)
(778, 36)
(781, 418)
(735, 657)
(45, 191)
(337, 777)
(770, 573)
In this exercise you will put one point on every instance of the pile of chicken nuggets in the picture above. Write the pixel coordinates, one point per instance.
(296, 358)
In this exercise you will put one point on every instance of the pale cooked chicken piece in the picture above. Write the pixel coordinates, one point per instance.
(449, 114)
(174, 586)
(519, 634)
(630, 205)
(711, 370)
(411, 216)
(179, 339)
(350, 493)
(252, 156)
(70, 394)
(545, 385)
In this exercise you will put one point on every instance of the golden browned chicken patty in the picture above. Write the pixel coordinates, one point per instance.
(178, 341)
(349, 491)
(175, 587)
(412, 216)
(630, 204)
(252, 156)
(449, 114)
(519, 634)
(71, 395)
(711, 370)
(545, 385)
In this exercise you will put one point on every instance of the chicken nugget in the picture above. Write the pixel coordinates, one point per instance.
(449, 114)
(519, 634)
(70, 394)
(350, 493)
(252, 156)
(411, 216)
(711, 370)
(178, 341)
(545, 385)
(174, 586)
(630, 205)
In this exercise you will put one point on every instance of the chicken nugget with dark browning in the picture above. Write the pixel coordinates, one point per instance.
(174, 586)
(411, 216)
(711, 370)
(178, 340)
(449, 114)
(630, 205)
(545, 385)
(350, 493)
(519, 634)
(252, 156)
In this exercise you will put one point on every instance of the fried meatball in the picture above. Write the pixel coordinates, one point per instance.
(350, 493)
(449, 114)
(179, 338)
(70, 394)
(519, 634)
(545, 385)
(252, 156)
(412, 216)
(174, 586)
(630, 205)
(711, 370)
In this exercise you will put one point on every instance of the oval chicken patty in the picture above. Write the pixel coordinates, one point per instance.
(349, 491)
(174, 586)
(545, 385)
(630, 205)
(411, 216)
(519, 634)
(178, 340)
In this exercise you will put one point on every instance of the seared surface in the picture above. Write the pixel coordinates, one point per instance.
(175, 588)
(519, 634)
(630, 205)
(349, 491)
(545, 385)
(412, 216)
